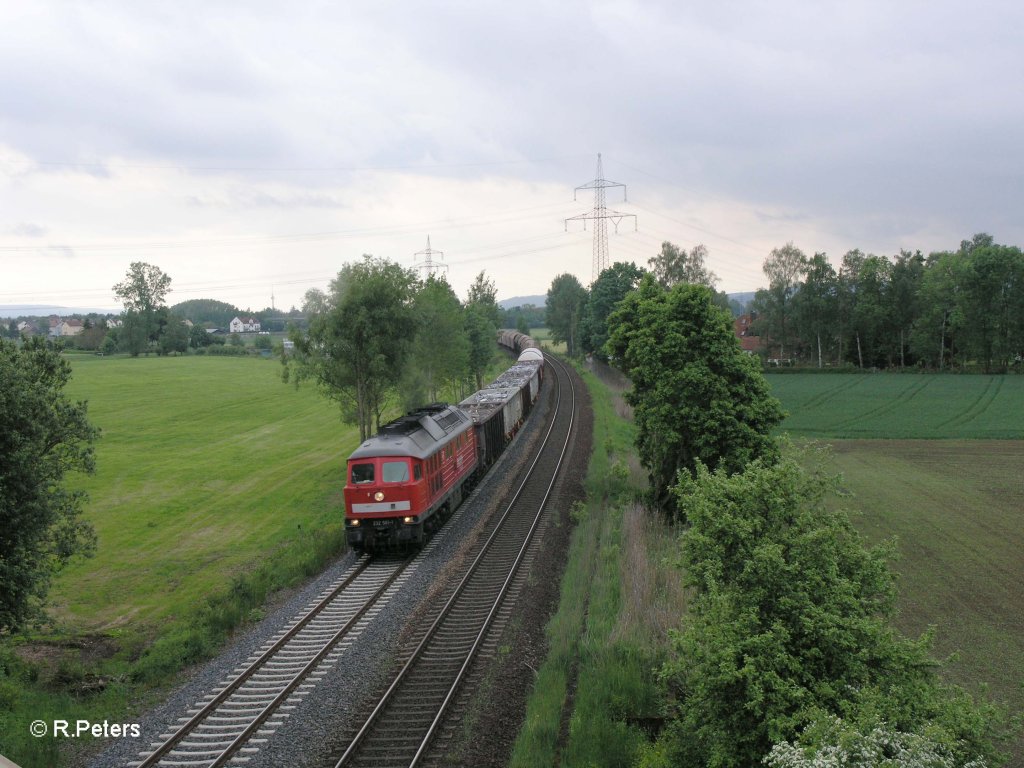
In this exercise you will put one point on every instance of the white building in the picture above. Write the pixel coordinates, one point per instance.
(249, 325)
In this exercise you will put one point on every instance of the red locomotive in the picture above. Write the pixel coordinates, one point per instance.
(404, 481)
(408, 477)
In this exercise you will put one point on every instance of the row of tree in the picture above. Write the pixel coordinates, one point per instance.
(949, 309)
(787, 655)
(579, 317)
(380, 337)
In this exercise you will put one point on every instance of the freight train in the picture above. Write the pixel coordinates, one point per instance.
(406, 480)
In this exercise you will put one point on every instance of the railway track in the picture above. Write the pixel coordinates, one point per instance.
(236, 718)
(407, 720)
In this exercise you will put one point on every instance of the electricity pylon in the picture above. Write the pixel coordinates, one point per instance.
(428, 265)
(600, 215)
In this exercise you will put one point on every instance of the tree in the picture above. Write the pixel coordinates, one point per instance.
(359, 338)
(991, 303)
(789, 621)
(199, 337)
(480, 332)
(483, 294)
(904, 296)
(783, 267)
(142, 292)
(440, 354)
(697, 398)
(481, 319)
(43, 436)
(608, 290)
(174, 336)
(566, 299)
(815, 304)
(674, 266)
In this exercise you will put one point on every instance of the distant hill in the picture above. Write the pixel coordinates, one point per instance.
(45, 310)
(522, 301)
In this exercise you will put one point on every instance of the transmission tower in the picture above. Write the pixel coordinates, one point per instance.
(600, 215)
(428, 265)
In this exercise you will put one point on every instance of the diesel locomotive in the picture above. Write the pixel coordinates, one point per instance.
(407, 479)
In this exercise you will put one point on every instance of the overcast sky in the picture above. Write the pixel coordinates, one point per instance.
(253, 148)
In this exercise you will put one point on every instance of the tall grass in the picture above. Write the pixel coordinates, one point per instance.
(596, 695)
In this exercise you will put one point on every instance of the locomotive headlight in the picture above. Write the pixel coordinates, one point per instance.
(408, 519)
(379, 496)
(354, 523)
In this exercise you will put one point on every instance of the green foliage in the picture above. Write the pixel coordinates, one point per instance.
(790, 620)
(43, 436)
(359, 337)
(697, 397)
(674, 266)
(440, 352)
(263, 341)
(200, 311)
(480, 333)
(142, 292)
(608, 290)
(174, 336)
(565, 304)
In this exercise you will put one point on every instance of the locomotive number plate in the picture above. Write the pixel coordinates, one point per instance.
(383, 523)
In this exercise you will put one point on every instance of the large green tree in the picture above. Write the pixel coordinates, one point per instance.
(440, 354)
(674, 265)
(566, 301)
(359, 337)
(697, 397)
(815, 306)
(790, 621)
(481, 319)
(143, 293)
(783, 267)
(43, 436)
(608, 290)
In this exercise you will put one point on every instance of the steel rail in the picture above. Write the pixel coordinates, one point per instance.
(471, 571)
(157, 755)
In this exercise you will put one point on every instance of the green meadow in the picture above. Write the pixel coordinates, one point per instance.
(893, 405)
(216, 485)
(205, 464)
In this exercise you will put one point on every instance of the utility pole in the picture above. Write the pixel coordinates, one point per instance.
(428, 265)
(600, 215)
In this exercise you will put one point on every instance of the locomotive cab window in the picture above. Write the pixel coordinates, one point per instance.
(417, 474)
(362, 473)
(395, 472)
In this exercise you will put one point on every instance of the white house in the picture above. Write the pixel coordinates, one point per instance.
(249, 325)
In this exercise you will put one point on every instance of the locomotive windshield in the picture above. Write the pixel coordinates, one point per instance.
(396, 472)
(362, 473)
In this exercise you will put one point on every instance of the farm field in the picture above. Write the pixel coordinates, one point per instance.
(944, 475)
(892, 405)
(956, 508)
(204, 465)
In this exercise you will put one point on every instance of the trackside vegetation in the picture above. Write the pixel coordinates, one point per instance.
(610, 696)
(597, 696)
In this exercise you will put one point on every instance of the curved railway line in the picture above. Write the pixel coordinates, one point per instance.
(233, 722)
(408, 717)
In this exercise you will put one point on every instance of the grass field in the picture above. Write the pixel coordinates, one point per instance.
(203, 461)
(956, 508)
(890, 405)
(216, 484)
